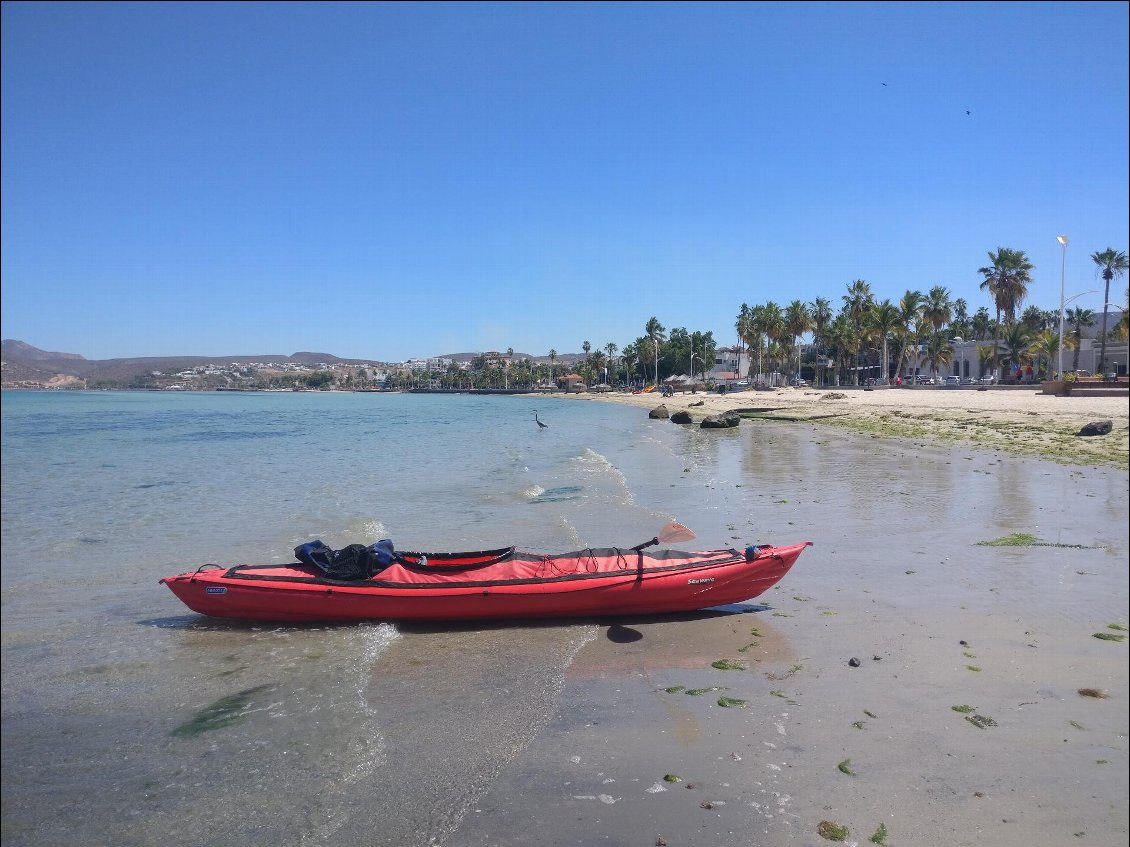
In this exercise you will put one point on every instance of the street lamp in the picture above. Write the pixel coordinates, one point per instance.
(693, 357)
(1062, 239)
(1062, 304)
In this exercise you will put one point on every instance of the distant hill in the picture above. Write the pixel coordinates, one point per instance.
(24, 363)
(19, 351)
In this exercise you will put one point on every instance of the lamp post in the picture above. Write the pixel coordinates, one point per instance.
(656, 340)
(1062, 304)
(693, 357)
(1062, 239)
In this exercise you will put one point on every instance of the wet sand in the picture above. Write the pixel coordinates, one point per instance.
(963, 721)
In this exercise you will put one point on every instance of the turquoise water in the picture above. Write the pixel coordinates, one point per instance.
(111, 686)
(129, 720)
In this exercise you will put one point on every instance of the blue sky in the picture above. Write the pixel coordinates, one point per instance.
(386, 181)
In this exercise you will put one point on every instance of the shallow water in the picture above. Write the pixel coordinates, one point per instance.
(129, 720)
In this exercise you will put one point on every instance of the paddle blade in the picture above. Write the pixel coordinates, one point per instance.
(674, 533)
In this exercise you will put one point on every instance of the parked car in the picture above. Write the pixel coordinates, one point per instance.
(988, 380)
(953, 380)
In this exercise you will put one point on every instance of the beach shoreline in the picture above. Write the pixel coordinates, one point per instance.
(1019, 421)
(911, 679)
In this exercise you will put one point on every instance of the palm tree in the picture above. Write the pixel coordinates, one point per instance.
(742, 328)
(980, 324)
(959, 323)
(844, 339)
(1113, 263)
(884, 319)
(986, 355)
(938, 352)
(1006, 281)
(1017, 340)
(656, 333)
(611, 349)
(770, 323)
(1077, 319)
(749, 328)
(856, 303)
(1044, 346)
(910, 313)
(629, 356)
(821, 311)
(798, 321)
(938, 309)
(552, 364)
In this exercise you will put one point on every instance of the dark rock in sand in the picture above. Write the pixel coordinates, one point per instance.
(725, 420)
(681, 417)
(659, 412)
(1097, 428)
(854, 662)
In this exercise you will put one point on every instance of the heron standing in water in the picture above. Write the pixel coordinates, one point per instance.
(539, 423)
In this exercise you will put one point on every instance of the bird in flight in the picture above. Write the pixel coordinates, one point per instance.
(538, 422)
(968, 112)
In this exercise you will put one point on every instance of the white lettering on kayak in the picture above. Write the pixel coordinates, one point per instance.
(700, 580)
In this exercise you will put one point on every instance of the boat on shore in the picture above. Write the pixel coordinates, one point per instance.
(505, 583)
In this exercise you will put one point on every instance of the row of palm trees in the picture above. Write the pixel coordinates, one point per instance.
(922, 325)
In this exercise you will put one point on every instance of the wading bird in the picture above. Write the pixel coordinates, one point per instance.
(539, 423)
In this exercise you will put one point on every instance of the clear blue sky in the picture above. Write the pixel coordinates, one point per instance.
(385, 181)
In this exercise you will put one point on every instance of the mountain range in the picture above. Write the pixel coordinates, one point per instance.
(23, 363)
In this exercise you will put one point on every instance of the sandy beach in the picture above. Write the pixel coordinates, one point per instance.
(1020, 421)
(914, 680)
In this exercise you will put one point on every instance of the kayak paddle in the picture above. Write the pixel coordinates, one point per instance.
(668, 535)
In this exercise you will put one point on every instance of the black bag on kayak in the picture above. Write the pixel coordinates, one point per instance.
(349, 564)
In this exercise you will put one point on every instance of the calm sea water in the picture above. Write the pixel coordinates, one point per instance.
(105, 672)
(129, 720)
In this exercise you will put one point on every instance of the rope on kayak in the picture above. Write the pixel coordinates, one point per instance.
(587, 562)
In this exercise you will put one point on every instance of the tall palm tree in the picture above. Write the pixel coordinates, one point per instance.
(770, 323)
(611, 349)
(856, 303)
(844, 339)
(959, 323)
(884, 319)
(1006, 279)
(656, 333)
(1113, 263)
(910, 313)
(980, 324)
(798, 321)
(744, 330)
(1078, 320)
(629, 356)
(938, 309)
(821, 311)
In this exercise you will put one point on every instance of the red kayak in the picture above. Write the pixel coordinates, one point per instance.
(504, 583)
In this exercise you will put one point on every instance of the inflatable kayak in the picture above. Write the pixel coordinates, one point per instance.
(489, 584)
